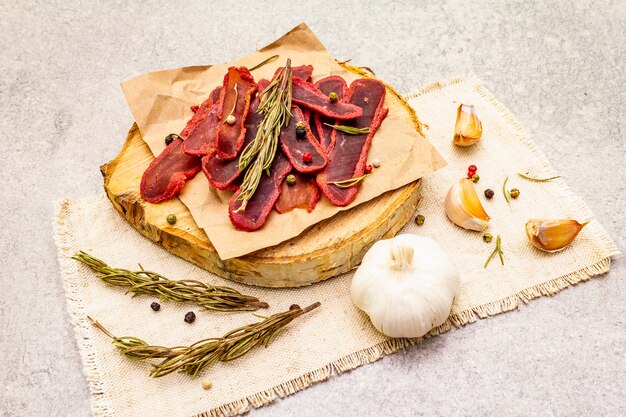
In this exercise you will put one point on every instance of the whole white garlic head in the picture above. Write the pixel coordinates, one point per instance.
(406, 285)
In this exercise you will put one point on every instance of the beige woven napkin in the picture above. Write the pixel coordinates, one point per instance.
(336, 337)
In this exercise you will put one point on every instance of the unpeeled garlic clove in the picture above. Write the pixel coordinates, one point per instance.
(463, 206)
(552, 235)
(468, 128)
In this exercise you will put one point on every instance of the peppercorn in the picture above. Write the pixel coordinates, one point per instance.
(514, 193)
(291, 179)
(170, 138)
(470, 174)
(487, 237)
(300, 129)
(489, 193)
(376, 163)
(419, 220)
(307, 157)
(230, 120)
(472, 168)
(294, 307)
(475, 178)
(207, 384)
(333, 96)
(368, 169)
(171, 218)
(155, 306)
(190, 317)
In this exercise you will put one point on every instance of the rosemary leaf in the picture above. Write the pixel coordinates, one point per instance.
(191, 360)
(350, 130)
(350, 182)
(267, 61)
(496, 250)
(182, 291)
(527, 177)
(507, 194)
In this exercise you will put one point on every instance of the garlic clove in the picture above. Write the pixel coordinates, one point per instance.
(463, 206)
(468, 128)
(552, 235)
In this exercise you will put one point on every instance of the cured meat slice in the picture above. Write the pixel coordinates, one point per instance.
(307, 95)
(220, 172)
(263, 200)
(305, 154)
(168, 172)
(202, 140)
(201, 112)
(348, 154)
(304, 72)
(238, 88)
(326, 134)
(303, 194)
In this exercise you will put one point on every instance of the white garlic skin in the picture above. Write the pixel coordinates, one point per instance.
(406, 285)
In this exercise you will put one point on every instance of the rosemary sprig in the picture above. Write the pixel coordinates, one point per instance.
(527, 177)
(507, 193)
(350, 130)
(259, 154)
(498, 250)
(182, 291)
(192, 359)
(350, 182)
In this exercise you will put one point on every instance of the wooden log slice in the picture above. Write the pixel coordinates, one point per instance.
(325, 250)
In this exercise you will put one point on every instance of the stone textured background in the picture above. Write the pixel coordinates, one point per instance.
(560, 68)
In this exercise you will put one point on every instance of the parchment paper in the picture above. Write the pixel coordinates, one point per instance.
(160, 104)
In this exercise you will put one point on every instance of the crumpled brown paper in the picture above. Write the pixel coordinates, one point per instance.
(160, 104)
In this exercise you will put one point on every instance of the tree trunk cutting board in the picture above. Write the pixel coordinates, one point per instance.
(329, 248)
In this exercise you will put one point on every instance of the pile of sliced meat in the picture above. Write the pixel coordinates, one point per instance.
(226, 122)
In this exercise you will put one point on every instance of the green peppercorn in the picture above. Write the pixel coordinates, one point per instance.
(170, 138)
(190, 317)
(514, 193)
(333, 96)
(419, 220)
(171, 218)
(489, 193)
(487, 237)
(291, 179)
(475, 178)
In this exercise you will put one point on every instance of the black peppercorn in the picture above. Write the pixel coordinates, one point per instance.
(190, 317)
(300, 129)
(155, 306)
(170, 138)
(294, 307)
(489, 193)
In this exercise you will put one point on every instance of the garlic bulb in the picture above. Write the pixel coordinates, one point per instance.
(406, 285)
(464, 208)
(468, 128)
(552, 235)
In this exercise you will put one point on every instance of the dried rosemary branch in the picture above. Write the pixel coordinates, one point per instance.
(507, 194)
(527, 177)
(193, 359)
(182, 291)
(350, 130)
(259, 154)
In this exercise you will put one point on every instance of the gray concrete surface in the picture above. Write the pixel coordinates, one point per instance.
(561, 68)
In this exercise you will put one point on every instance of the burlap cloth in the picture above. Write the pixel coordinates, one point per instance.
(336, 337)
